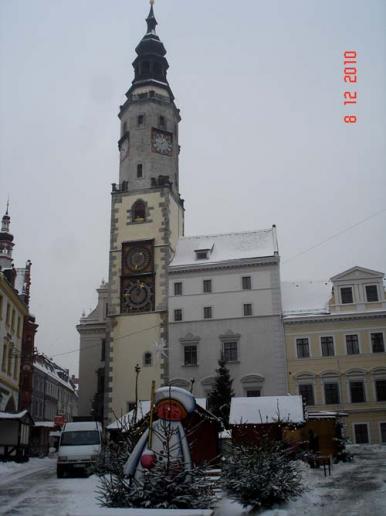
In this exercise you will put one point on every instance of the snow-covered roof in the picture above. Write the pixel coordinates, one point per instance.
(305, 297)
(266, 409)
(226, 247)
(51, 371)
(9, 415)
(143, 409)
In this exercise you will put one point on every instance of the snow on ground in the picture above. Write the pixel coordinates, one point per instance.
(354, 489)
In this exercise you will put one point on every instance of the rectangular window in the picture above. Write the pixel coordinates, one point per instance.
(357, 391)
(8, 315)
(103, 350)
(253, 394)
(207, 312)
(346, 295)
(327, 346)
(380, 388)
(18, 332)
(1, 307)
(352, 344)
(162, 122)
(15, 368)
(307, 393)
(371, 293)
(13, 320)
(9, 361)
(302, 348)
(124, 128)
(246, 282)
(4, 360)
(140, 120)
(331, 393)
(230, 351)
(190, 355)
(178, 314)
(139, 170)
(361, 433)
(383, 432)
(178, 288)
(377, 344)
(247, 309)
(201, 255)
(207, 285)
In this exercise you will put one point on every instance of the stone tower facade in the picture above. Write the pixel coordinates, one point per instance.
(146, 221)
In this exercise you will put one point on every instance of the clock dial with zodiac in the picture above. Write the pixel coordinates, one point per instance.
(138, 259)
(137, 295)
(162, 142)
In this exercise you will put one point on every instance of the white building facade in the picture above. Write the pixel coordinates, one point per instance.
(224, 300)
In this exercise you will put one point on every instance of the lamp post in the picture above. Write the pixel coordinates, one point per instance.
(137, 370)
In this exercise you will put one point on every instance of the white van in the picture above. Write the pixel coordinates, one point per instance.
(79, 446)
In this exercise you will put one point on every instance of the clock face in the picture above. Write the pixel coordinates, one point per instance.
(124, 149)
(162, 142)
(138, 258)
(136, 295)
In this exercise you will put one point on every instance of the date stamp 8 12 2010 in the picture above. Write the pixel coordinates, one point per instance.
(350, 77)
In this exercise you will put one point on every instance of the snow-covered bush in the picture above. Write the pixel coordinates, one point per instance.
(260, 476)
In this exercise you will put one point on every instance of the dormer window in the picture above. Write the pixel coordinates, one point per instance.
(371, 293)
(202, 255)
(346, 295)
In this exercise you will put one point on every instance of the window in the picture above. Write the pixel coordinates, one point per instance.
(1, 307)
(207, 312)
(247, 309)
(147, 359)
(201, 255)
(383, 432)
(178, 288)
(377, 343)
(178, 314)
(253, 394)
(190, 355)
(246, 282)
(124, 128)
(139, 170)
(18, 333)
(139, 211)
(140, 120)
(331, 393)
(9, 362)
(230, 351)
(162, 122)
(15, 367)
(327, 346)
(352, 344)
(103, 350)
(8, 316)
(346, 295)
(361, 433)
(380, 388)
(371, 293)
(4, 360)
(13, 320)
(307, 392)
(207, 285)
(302, 348)
(357, 391)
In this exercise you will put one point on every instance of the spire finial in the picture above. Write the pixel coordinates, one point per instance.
(151, 21)
(7, 206)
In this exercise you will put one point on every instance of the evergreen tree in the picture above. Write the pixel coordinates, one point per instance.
(260, 476)
(219, 400)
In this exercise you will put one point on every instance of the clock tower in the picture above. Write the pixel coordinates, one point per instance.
(146, 221)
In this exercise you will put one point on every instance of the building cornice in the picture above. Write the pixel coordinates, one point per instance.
(231, 264)
(324, 318)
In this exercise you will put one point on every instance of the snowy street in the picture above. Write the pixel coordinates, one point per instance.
(354, 489)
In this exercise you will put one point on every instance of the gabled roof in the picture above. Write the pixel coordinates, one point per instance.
(226, 247)
(357, 273)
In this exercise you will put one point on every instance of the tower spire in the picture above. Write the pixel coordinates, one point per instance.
(150, 20)
(6, 241)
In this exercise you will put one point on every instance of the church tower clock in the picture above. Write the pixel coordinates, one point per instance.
(146, 221)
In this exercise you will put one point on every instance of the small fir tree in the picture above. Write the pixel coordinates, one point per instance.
(260, 476)
(219, 400)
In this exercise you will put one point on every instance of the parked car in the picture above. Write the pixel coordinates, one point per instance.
(79, 446)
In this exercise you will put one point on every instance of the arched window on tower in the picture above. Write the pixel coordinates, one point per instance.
(139, 211)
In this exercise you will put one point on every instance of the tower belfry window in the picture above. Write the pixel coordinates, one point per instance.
(162, 122)
(139, 170)
(140, 120)
(139, 211)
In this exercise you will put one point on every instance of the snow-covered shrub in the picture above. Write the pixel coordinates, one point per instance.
(260, 476)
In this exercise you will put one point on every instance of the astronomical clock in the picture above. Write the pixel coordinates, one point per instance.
(137, 280)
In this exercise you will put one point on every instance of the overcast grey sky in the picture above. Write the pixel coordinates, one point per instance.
(260, 88)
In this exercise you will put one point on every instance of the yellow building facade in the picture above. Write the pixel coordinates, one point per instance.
(336, 349)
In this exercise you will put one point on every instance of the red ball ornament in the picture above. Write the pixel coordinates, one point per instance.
(148, 459)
